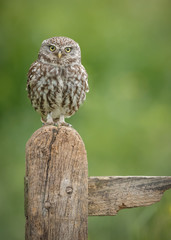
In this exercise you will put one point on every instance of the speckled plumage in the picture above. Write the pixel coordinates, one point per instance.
(57, 82)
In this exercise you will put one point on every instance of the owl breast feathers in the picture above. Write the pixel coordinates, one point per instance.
(57, 82)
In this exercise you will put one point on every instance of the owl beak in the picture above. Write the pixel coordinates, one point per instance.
(59, 54)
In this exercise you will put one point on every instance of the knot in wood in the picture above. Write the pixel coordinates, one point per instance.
(47, 205)
(69, 190)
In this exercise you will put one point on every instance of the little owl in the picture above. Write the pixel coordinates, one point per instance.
(57, 82)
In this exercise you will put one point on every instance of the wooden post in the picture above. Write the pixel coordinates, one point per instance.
(56, 185)
(59, 196)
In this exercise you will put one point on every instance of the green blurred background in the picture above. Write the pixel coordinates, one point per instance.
(126, 119)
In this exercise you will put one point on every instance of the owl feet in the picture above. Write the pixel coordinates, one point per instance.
(64, 124)
(48, 121)
(55, 122)
(61, 122)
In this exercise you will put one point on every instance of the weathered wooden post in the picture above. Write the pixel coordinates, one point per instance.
(59, 196)
(56, 185)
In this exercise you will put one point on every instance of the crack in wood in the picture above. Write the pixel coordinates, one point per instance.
(54, 134)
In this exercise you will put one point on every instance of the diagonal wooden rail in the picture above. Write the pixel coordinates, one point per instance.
(59, 196)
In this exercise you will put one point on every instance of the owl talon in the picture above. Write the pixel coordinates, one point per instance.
(42, 120)
(49, 120)
(49, 123)
(64, 124)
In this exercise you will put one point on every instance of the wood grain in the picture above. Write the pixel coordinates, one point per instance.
(56, 185)
(108, 195)
(59, 196)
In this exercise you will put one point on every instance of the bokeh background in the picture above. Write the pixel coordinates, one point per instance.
(126, 119)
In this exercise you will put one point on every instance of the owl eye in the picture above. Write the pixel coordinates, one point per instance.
(67, 49)
(52, 48)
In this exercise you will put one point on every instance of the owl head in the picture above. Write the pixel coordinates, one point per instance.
(59, 50)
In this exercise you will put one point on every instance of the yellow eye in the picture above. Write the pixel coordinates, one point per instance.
(67, 49)
(52, 48)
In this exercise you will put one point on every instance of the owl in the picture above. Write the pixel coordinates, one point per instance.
(57, 81)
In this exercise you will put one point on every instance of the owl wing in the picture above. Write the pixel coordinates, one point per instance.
(84, 78)
(32, 75)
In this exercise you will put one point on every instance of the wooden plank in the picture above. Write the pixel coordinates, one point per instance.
(56, 185)
(108, 195)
